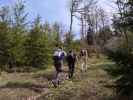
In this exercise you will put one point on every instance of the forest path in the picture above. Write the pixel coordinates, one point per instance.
(90, 85)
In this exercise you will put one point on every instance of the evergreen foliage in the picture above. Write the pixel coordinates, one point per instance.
(24, 45)
(123, 56)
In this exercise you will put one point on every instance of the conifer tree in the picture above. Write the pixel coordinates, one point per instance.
(37, 46)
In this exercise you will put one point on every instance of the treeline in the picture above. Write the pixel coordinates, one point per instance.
(24, 44)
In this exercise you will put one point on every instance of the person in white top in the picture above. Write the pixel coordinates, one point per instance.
(58, 58)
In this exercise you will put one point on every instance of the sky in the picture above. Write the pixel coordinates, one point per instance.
(54, 10)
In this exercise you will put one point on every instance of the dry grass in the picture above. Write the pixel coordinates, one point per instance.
(87, 85)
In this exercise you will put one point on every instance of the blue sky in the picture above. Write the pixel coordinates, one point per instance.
(49, 10)
(53, 10)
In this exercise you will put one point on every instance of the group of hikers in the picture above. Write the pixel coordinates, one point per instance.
(71, 58)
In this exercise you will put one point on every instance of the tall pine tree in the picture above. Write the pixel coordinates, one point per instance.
(37, 46)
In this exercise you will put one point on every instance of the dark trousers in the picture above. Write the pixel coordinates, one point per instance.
(58, 68)
(57, 65)
(71, 69)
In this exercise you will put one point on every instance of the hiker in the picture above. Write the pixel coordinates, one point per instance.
(71, 59)
(57, 61)
(83, 59)
(58, 58)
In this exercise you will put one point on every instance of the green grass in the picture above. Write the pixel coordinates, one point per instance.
(89, 85)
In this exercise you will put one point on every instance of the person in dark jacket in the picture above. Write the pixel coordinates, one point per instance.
(71, 59)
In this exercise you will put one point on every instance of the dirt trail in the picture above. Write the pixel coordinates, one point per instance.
(89, 85)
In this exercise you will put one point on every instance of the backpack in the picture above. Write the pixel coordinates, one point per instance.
(83, 53)
(62, 55)
(57, 55)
